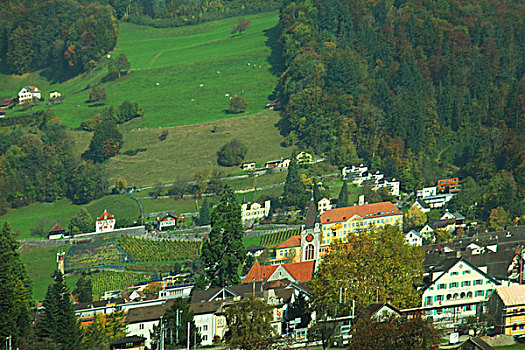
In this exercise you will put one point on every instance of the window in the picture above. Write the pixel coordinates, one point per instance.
(466, 272)
(453, 285)
(478, 282)
(205, 327)
(309, 254)
(442, 286)
(141, 326)
(465, 283)
(204, 337)
(438, 298)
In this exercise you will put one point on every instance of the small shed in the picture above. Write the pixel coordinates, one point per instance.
(56, 232)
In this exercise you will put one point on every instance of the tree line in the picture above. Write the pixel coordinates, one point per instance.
(37, 163)
(63, 37)
(418, 90)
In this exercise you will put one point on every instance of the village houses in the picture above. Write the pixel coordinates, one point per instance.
(28, 93)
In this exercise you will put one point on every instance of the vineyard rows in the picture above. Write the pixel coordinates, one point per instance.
(110, 280)
(141, 249)
(272, 240)
(105, 252)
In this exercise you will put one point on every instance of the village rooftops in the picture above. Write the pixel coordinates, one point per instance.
(57, 228)
(374, 210)
(300, 271)
(32, 89)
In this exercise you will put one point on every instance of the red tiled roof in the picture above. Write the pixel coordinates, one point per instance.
(294, 241)
(301, 271)
(374, 210)
(105, 216)
(259, 273)
(57, 228)
(32, 88)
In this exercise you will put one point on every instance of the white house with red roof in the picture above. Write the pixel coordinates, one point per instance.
(105, 222)
(28, 93)
(294, 272)
(168, 222)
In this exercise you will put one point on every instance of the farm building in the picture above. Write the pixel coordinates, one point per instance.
(28, 93)
(2, 113)
(57, 232)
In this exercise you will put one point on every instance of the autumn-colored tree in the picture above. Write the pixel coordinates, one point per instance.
(414, 218)
(376, 265)
(249, 323)
(498, 219)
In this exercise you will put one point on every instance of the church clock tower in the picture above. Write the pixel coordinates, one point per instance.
(311, 235)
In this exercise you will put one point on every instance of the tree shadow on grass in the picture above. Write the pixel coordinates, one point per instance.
(275, 60)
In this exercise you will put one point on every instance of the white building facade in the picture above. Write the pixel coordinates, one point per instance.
(255, 211)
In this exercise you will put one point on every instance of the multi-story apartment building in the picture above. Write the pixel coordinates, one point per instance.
(336, 224)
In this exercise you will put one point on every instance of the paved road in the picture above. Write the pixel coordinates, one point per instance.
(132, 231)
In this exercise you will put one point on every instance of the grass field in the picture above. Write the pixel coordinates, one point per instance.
(24, 219)
(180, 60)
(40, 264)
(188, 149)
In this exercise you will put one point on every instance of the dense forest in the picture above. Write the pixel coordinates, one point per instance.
(66, 37)
(37, 163)
(418, 89)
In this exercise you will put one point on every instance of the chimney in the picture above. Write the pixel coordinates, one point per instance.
(362, 199)
(458, 254)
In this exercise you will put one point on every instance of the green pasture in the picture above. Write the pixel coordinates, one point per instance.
(24, 219)
(186, 205)
(40, 264)
(179, 60)
(191, 148)
(248, 241)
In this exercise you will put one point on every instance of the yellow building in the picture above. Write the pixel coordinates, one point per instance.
(507, 304)
(336, 224)
(288, 250)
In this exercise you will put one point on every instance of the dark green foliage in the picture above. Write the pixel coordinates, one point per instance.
(238, 104)
(58, 320)
(294, 193)
(133, 152)
(342, 200)
(106, 142)
(88, 182)
(178, 189)
(223, 253)
(182, 307)
(205, 212)
(232, 153)
(420, 95)
(247, 264)
(299, 309)
(84, 290)
(97, 95)
(33, 36)
(82, 222)
(15, 295)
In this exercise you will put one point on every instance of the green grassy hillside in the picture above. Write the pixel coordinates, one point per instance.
(179, 60)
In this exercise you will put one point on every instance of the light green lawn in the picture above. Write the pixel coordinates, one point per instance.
(23, 220)
(179, 59)
(40, 264)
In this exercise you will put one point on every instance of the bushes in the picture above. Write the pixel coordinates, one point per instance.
(238, 104)
(231, 154)
(133, 152)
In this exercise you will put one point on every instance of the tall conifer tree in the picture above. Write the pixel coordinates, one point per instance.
(15, 294)
(58, 318)
(223, 253)
(342, 200)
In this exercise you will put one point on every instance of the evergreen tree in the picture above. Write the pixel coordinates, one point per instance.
(58, 320)
(204, 212)
(185, 315)
(294, 194)
(84, 290)
(342, 200)
(223, 253)
(16, 289)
